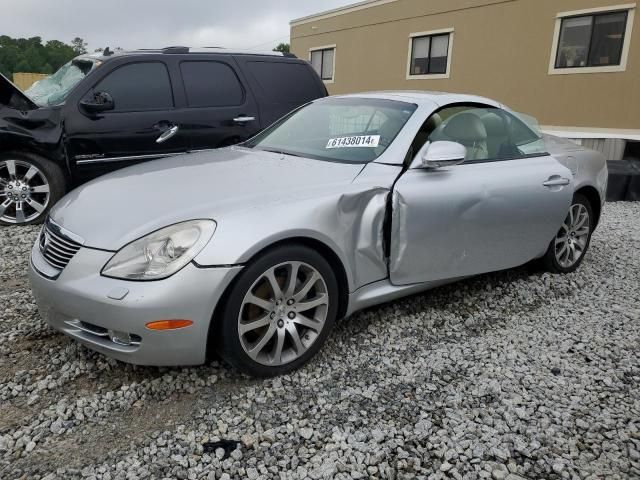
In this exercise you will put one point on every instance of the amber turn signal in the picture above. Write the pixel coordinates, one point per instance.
(169, 324)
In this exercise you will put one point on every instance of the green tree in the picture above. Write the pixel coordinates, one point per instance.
(282, 47)
(31, 55)
(79, 45)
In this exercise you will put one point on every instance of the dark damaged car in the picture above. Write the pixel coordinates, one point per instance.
(102, 112)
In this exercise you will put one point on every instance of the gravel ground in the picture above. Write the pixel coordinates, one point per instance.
(517, 374)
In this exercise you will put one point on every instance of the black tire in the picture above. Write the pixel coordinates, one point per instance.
(54, 177)
(550, 261)
(227, 338)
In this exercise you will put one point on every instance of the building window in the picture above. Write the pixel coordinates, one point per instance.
(323, 60)
(430, 54)
(591, 40)
(594, 40)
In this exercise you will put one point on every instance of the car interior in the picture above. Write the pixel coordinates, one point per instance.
(484, 132)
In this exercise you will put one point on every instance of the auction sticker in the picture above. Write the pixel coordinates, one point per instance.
(370, 141)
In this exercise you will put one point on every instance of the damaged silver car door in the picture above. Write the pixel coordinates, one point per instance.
(497, 210)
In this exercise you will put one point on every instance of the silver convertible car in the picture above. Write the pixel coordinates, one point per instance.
(254, 251)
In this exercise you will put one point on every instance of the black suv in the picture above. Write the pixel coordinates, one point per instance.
(102, 112)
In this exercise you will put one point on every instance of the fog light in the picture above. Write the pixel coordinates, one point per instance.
(169, 324)
(120, 338)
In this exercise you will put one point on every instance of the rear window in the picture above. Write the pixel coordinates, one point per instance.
(285, 82)
(211, 84)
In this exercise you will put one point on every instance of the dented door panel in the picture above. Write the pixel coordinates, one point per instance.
(474, 218)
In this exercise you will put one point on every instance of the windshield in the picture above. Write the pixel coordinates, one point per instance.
(54, 89)
(349, 130)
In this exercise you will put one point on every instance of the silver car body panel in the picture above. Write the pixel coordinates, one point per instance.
(587, 167)
(392, 231)
(81, 294)
(474, 218)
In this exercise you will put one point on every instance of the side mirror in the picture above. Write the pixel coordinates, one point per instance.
(99, 102)
(444, 154)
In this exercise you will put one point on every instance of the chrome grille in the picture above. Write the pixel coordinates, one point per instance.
(56, 247)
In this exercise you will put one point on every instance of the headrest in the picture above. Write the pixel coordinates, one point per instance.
(465, 127)
(494, 124)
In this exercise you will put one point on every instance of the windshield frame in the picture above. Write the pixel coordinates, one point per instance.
(252, 143)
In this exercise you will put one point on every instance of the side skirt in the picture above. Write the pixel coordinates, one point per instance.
(383, 291)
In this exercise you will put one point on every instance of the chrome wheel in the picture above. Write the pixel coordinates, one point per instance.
(283, 313)
(24, 191)
(571, 242)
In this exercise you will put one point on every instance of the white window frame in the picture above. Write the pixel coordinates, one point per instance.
(333, 68)
(434, 76)
(630, 8)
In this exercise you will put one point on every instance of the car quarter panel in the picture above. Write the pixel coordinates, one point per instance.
(589, 168)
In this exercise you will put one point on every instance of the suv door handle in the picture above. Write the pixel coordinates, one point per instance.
(244, 119)
(167, 134)
(557, 181)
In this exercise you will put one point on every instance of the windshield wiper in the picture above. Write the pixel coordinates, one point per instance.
(280, 152)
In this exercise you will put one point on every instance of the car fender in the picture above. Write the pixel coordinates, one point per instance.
(38, 131)
(355, 219)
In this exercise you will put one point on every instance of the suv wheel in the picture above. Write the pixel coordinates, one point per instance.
(29, 186)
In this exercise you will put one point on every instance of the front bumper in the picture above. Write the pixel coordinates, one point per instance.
(84, 305)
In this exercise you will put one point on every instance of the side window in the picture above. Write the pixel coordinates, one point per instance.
(592, 40)
(323, 61)
(488, 133)
(211, 84)
(138, 87)
(429, 54)
(285, 82)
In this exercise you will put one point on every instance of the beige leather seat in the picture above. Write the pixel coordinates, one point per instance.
(467, 129)
(496, 133)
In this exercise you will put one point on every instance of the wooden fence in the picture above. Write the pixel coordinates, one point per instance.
(25, 80)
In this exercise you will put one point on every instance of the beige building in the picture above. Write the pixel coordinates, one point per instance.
(573, 64)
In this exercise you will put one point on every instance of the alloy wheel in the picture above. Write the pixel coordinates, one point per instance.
(573, 237)
(24, 191)
(283, 313)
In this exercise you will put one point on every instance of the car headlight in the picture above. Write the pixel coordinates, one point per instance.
(161, 253)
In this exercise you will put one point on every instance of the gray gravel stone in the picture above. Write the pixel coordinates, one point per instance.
(511, 375)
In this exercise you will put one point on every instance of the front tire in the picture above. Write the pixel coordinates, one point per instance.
(29, 186)
(567, 250)
(279, 312)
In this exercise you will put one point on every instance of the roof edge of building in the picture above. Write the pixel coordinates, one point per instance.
(353, 7)
(592, 133)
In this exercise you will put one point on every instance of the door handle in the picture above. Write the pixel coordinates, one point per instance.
(167, 134)
(557, 182)
(244, 119)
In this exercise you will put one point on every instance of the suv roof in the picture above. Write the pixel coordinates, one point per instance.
(187, 50)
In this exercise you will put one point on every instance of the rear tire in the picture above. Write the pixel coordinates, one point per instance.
(29, 186)
(569, 247)
(279, 312)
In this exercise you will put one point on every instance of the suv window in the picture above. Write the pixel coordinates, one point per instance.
(138, 87)
(285, 82)
(211, 84)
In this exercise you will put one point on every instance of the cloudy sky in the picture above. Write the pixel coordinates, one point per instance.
(251, 24)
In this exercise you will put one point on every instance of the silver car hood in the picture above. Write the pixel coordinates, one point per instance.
(115, 209)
